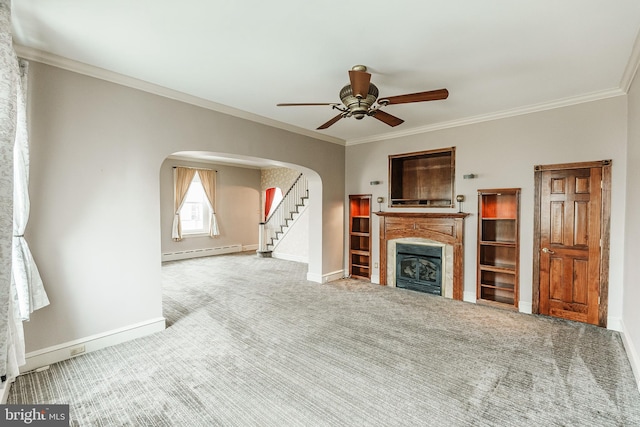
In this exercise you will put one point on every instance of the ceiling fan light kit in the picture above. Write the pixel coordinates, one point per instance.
(360, 96)
(358, 106)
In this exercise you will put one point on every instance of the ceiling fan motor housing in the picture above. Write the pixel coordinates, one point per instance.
(358, 107)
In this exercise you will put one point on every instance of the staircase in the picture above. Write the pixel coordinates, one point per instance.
(283, 216)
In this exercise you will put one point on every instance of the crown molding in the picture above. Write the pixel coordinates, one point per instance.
(596, 96)
(632, 66)
(37, 55)
(121, 79)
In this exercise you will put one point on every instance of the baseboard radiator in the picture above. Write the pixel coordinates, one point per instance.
(196, 253)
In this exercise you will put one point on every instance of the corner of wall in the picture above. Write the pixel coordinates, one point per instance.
(632, 354)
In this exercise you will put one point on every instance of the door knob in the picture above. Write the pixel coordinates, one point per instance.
(548, 251)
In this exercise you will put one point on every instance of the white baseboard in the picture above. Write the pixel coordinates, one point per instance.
(614, 323)
(325, 278)
(289, 257)
(5, 387)
(525, 307)
(469, 297)
(196, 253)
(632, 354)
(47, 356)
(246, 248)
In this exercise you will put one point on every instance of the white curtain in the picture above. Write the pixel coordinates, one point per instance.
(182, 178)
(26, 290)
(27, 280)
(208, 180)
(8, 107)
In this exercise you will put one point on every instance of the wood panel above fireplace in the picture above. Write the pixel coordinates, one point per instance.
(446, 228)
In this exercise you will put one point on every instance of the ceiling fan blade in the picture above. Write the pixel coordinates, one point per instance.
(432, 95)
(330, 122)
(387, 118)
(359, 83)
(304, 104)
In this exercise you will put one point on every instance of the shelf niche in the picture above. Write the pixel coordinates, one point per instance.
(422, 179)
(498, 247)
(360, 236)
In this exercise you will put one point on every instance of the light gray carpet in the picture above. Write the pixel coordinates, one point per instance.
(251, 342)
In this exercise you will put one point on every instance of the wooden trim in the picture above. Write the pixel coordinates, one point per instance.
(422, 214)
(498, 190)
(420, 153)
(581, 165)
(605, 232)
(447, 228)
(535, 302)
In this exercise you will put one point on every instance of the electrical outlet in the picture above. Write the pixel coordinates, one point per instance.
(77, 350)
(375, 265)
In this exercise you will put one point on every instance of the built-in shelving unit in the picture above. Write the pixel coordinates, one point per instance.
(360, 236)
(498, 246)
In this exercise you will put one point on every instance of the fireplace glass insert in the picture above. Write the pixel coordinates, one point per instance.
(419, 268)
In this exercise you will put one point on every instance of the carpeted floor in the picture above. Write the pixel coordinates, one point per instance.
(251, 342)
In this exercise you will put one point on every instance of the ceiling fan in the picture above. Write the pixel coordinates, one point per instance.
(359, 97)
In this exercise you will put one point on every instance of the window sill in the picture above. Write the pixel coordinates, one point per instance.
(187, 235)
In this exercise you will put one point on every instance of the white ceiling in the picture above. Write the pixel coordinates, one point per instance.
(496, 57)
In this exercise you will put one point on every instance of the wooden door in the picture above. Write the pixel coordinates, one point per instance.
(569, 243)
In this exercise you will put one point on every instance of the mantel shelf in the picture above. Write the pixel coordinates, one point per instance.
(423, 214)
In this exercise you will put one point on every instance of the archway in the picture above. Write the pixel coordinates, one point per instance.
(196, 158)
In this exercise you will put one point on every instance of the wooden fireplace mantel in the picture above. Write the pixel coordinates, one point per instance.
(447, 228)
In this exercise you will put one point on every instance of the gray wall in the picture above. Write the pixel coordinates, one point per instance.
(237, 207)
(503, 154)
(95, 230)
(631, 312)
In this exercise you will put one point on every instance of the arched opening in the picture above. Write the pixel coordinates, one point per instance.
(241, 204)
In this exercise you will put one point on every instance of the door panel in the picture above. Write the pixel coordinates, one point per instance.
(580, 281)
(581, 229)
(570, 223)
(555, 279)
(557, 223)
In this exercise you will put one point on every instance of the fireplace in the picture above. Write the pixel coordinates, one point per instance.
(419, 268)
(436, 229)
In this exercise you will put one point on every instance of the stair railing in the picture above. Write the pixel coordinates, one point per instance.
(278, 218)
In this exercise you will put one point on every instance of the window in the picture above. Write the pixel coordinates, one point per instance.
(273, 197)
(195, 212)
